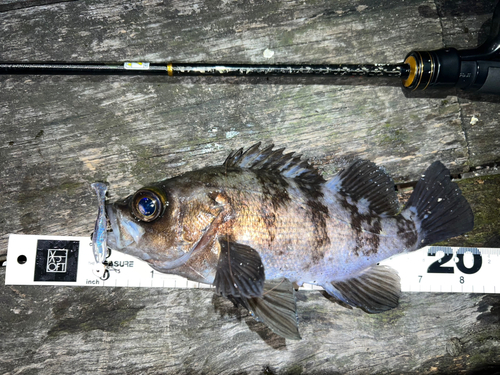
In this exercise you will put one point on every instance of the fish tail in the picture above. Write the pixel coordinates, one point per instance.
(438, 207)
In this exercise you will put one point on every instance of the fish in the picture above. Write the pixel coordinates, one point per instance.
(265, 222)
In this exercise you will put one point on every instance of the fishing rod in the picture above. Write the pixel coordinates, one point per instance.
(471, 70)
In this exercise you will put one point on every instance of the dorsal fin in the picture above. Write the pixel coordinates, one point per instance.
(364, 180)
(289, 165)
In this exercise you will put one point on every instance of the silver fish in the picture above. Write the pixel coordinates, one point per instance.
(265, 222)
(99, 237)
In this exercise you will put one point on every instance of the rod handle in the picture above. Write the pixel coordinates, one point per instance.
(470, 70)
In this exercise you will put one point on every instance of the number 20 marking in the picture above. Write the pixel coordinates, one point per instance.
(438, 265)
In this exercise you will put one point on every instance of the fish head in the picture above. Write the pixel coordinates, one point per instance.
(163, 224)
(143, 225)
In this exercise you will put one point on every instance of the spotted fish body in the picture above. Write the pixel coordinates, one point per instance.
(264, 221)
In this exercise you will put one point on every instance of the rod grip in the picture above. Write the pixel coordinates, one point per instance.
(492, 82)
(470, 70)
(446, 68)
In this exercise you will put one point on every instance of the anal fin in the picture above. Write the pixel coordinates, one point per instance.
(376, 289)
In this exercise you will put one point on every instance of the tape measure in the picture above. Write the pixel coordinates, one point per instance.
(56, 260)
(448, 269)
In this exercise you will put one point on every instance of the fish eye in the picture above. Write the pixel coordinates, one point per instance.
(147, 205)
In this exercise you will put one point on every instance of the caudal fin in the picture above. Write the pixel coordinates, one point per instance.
(438, 207)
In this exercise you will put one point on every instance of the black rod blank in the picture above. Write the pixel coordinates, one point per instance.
(195, 69)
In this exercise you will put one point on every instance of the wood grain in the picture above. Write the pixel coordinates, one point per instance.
(60, 133)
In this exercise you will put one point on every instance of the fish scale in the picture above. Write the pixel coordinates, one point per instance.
(287, 250)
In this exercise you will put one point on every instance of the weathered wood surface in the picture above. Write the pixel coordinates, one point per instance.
(51, 330)
(58, 134)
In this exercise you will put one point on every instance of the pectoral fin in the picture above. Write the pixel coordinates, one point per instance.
(240, 272)
(374, 290)
(276, 308)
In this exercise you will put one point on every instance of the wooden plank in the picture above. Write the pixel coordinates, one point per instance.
(479, 115)
(59, 134)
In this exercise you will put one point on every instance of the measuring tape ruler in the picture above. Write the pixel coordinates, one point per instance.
(56, 260)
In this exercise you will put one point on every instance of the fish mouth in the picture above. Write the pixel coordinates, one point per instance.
(124, 231)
